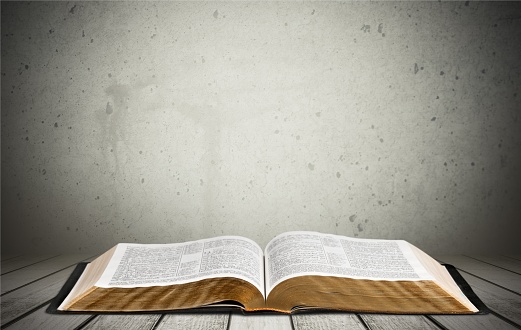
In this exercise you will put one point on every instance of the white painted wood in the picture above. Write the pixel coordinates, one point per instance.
(484, 270)
(516, 257)
(259, 322)
(201, 321)
(33, 295)
(24, 261)
(327, 321)
(44, 321)
(472, 322)
(126, 322)
(34, 272)
(8, 256)
(497, 299)
(24, 299)
(503, 262)
(398, 322)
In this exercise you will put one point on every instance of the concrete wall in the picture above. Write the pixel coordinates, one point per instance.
(166, 122)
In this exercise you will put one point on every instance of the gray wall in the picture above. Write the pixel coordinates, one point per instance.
(165, 122)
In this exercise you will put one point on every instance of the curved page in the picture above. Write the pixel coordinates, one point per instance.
(144, 265)
(300, 253)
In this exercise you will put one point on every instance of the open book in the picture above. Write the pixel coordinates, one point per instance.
(297, 271)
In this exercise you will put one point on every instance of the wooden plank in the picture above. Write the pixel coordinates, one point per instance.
(499, 300)
(486, 271)
(43, 321)
(32, 296)
(327, 321)
(472, 322)
(7, 256)
(24, 261)
(514, 256)
(200, 321)
(119, 321)
(252, 322)
(499, 261)
(26, 275)
(19, 302)
(387, 321)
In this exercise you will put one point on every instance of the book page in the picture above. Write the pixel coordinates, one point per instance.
(143, 265)
(295, 254)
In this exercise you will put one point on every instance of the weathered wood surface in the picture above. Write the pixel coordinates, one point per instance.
(499, 276)
(39, 319)
(15, 279)
(16, 263)
(495, 286)
(8, 256)
(326, 321)
(30, 282)
(31, 295)
(473, 322)
(127, 322)
(514, 256)
(252, 322)
(501, 262)
(380, 321)
(194, 321)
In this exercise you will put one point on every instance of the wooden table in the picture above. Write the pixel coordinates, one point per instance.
(29, 282)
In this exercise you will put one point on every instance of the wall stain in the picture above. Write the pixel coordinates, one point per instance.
(380, 29)
(108, 109)
(113, 119)
(503, 161)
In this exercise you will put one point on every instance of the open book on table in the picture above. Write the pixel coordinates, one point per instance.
(297, 271)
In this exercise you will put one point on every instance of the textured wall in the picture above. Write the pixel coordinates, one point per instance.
(164, 122)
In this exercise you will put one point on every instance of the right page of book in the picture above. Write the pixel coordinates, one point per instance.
(300, 253)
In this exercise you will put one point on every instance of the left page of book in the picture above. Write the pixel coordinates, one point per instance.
(144, 265)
